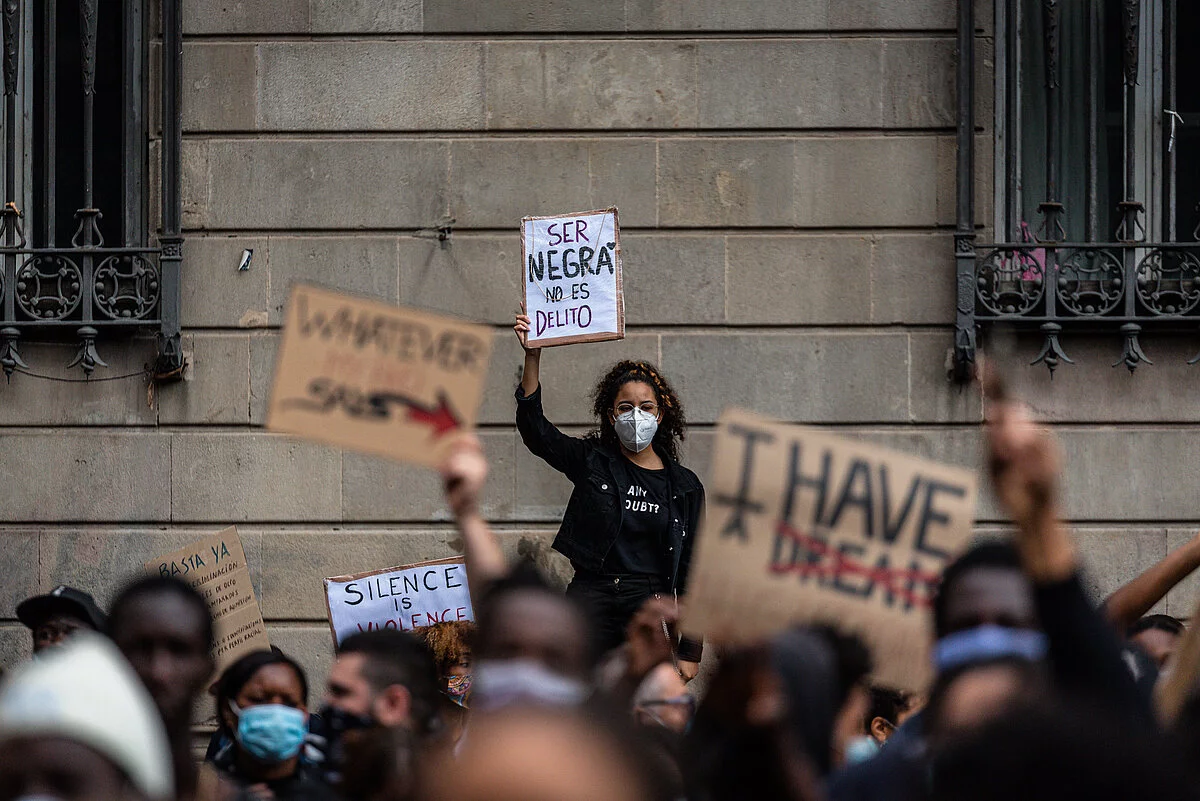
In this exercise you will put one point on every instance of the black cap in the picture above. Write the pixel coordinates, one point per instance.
(62, 600)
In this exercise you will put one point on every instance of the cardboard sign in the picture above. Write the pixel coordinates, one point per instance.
(406, 598)
(216, 567)
(376, 378)
(805, 526)
(571, 268)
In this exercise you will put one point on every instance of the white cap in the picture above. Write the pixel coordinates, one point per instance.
(85, 691)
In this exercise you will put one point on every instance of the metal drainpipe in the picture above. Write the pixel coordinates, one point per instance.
(170, 351)
(964, 233)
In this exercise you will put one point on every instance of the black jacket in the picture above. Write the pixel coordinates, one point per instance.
(601, 476)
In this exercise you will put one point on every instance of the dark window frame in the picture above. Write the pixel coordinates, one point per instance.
(100, 284)
(1057, 283)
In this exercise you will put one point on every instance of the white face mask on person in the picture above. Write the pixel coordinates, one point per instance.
(497, 683)
(636, 429)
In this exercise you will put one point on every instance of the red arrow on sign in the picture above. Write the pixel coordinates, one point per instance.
(441, 418)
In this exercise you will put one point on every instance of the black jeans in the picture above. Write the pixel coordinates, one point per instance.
(611, 601)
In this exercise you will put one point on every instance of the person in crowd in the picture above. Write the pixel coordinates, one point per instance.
(1022, 602)
(381, 681)
(1158, 636)
(751, 737)
(531, 649)
(662, 699)
(381, 766)
(262, 709)
(887, 709)
(77, 725)
(450, 644)
(984, 611)
(165, 630)
(539, 754)
(1127, 608)
(776, 717)
(532, 644)
(854, 664)
(966, 698)
(55, 616)
(386, 679)
(1056, 750)
(633, 515)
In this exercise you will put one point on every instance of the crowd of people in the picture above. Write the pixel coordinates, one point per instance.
(591, 694)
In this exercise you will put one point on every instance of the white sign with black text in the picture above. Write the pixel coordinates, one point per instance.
(571, 271)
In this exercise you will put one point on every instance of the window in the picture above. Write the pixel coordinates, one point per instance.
(1097, 174)
(81, 259)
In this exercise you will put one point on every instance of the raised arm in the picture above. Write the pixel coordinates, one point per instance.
(566, 454)
(1024, 463)
(464, 474)
(1130, 602)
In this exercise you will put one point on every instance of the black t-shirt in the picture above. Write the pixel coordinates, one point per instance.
(645, 516)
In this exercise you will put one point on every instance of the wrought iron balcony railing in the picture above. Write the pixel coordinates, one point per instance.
(1121, 286)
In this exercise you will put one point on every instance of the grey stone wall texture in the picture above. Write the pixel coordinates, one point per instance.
(785, 175)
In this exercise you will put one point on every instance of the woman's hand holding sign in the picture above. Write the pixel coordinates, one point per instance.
(522, 328)
(533, 356)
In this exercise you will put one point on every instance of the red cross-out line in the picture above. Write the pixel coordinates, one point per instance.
(844, 565)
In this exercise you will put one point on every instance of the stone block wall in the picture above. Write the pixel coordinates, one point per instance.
(785, 175)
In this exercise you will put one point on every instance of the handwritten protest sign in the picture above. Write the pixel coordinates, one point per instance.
(571, 266)
(406, 597)
(805, 526)
(376, 378)
(216, 567)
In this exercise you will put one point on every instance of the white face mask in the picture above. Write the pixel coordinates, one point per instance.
(636, 429)
(507, 682)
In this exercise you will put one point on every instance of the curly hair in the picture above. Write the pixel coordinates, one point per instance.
(671, 429)
(449, 642)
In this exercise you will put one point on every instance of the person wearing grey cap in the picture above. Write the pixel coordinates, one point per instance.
(58, 614)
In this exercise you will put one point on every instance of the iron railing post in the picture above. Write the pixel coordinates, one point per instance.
(1132, 355)
(1052, 210)
(88, 234)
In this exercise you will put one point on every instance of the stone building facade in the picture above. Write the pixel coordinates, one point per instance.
(784, 171)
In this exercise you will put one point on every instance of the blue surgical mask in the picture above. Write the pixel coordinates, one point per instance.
(860, 749)
(271, 733)
(988, 642)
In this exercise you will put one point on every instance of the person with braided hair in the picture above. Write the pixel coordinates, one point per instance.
(632, 517)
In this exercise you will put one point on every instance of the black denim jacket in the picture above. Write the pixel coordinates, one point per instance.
(592, 522)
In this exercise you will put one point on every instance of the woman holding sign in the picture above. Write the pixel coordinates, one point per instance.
(632, 517)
